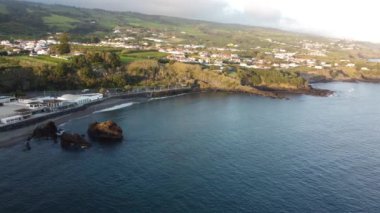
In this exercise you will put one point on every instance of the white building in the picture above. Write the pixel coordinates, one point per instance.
(5, 43)
(42, 52)
(94, 96)
(12, 119)
(35, 105)
(81, 99)
(5, 99)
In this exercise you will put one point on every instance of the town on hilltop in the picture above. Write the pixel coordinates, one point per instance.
(63, 62)
(304, 54)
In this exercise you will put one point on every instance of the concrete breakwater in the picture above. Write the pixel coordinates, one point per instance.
(139, 94)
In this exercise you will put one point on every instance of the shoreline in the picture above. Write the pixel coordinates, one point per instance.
(19, 135)
(9, 139)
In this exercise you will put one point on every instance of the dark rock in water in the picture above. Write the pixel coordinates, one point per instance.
(27, 146)
(107, 131)
(48, 130)
(319, 92)
(74, 141)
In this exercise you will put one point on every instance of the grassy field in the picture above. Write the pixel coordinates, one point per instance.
(138, 56)
(61, 23)
(147, 55)
(6, 63)
(127, 60)
(95, 48)
(35, 61)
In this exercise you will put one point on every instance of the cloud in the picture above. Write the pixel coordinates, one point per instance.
(349, 19)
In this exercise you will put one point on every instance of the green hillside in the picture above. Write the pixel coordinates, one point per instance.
(25, 19)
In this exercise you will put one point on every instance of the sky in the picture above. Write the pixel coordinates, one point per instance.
(353, 19)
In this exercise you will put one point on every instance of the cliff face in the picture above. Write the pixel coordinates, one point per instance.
(105, 131)
(349, 75)
(208, 80)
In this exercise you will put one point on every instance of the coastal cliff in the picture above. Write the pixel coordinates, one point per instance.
(266, 83)
(342, 75)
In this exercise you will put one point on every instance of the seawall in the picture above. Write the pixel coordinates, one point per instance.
(39, 119)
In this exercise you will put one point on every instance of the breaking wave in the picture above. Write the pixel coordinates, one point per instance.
(117, 107)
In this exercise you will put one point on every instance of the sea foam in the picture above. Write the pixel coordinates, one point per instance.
(117, 107)
(166, 97)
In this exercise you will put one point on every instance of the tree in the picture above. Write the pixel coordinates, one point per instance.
(62, 69)
(112, 60)
(86, 76)
(95, 40)
(80, 61)
(3, 53)
(94, 57)
(64, 46)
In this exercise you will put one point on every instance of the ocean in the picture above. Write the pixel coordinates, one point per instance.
(211, 152)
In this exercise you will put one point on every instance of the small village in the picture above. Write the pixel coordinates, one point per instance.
(308, 55)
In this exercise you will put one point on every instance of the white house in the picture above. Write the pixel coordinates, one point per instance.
(36, 105)
(82, 98)
(77, 99)
(42, 52)
(94, 96)
(5, 43)
(293, 65)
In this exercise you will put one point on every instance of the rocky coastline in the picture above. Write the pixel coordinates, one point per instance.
(104, 132)
(107, 131)
(310, 90)
(22, 132)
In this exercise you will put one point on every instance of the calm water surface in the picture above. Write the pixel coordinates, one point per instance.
(212, 153)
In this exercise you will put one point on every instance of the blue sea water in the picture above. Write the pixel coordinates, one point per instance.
(212, 152)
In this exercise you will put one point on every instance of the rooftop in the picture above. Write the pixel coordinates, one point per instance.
(9, 109)
(5, 97)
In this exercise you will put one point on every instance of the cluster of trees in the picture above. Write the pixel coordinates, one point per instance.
(63, 47)
(94, 69)
(97, 69)
(89, 39)
(272, 78)
(3, 53)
